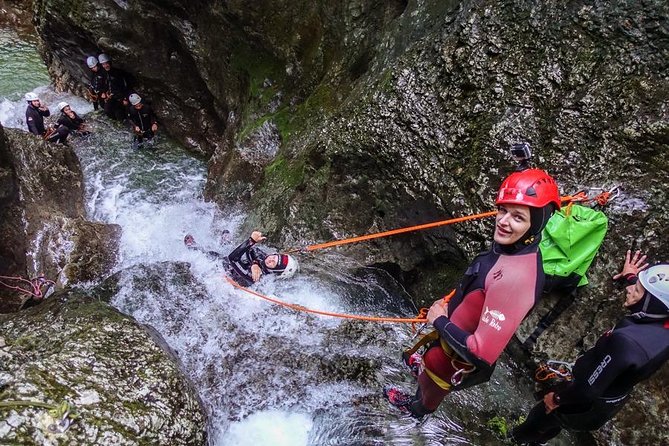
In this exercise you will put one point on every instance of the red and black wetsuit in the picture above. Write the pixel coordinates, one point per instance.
(603, 379)
(499, 289)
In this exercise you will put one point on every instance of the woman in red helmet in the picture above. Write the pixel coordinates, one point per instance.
(498, 290)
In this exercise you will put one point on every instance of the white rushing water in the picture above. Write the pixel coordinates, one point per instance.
(156, 198)
(266, 375)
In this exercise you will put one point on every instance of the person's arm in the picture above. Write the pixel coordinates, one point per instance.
(154, 122)
(631, 267)
(236, 255)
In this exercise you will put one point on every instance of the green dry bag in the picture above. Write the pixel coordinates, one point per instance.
(568, 245)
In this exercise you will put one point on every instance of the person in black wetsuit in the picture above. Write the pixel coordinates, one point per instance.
(98, 87)
(605, 375)
(248, 263)
(142, 119)
(70, 119)
(35, 114)
(117, 89)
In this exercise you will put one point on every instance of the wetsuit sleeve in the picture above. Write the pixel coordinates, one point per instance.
(237, 253)
(508, 299)
(44, 113)
(235, 258)
(62, 120)
(599, 367)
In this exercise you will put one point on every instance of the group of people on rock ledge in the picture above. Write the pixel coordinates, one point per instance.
(499, 289)
(110, 91)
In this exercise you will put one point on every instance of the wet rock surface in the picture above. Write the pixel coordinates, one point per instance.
(44, 231)
(121, 387)
(331, 121)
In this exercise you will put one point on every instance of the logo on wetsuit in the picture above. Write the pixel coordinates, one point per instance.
(600, 368)
(491, 317)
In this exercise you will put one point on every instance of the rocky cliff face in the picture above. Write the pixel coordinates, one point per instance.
(43, 229)
(119, 385)
(332, 120)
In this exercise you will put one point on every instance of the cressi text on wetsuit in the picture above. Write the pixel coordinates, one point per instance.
(603, 378)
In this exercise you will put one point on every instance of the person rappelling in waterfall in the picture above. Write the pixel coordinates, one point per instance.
(605, 375)
(498, 290)
(247, 263)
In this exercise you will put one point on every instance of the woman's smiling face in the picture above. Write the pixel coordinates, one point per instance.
(512, 222)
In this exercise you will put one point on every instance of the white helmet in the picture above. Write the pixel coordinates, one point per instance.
(135, 99)
(292, 267)
(91, 61)
(655, 280)
(30, 96)
(62, 105)
(103, 58)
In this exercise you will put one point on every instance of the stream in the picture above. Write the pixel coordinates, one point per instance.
(266, 374)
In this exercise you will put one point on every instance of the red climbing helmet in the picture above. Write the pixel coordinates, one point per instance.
(530, 187)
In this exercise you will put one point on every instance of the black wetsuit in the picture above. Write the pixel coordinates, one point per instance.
(98, 86)
(73, 124)
(143, 118)
(603, 379)
(242, 258)
(117, 91)
(35, 120)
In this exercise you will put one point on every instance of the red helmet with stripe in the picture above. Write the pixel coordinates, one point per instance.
(530, 187)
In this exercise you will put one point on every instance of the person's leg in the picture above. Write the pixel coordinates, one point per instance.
(109, 108)
(119, 110)
(538, 427)
(62, 132)
(429, 395)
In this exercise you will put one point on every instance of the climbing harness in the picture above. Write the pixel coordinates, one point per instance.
(48, 133)
(37, 288)
(553, 370)
(550, 374)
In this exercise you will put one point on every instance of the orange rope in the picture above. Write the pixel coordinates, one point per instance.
(399, 231)
(339, 315)
(577, 197)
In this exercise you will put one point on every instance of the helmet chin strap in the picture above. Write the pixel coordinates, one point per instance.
(643, 315)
